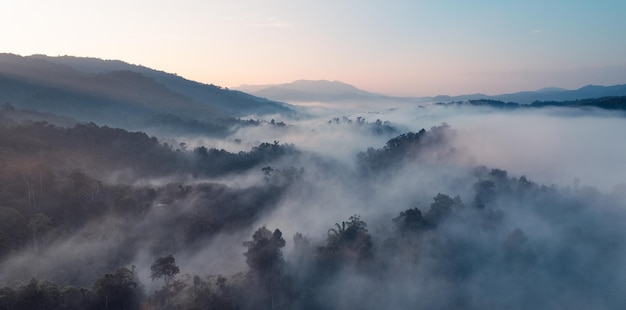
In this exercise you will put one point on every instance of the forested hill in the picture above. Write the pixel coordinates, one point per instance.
(113, 92)
(607, 103)
(72, 175)
(100, 149)
(231, 101)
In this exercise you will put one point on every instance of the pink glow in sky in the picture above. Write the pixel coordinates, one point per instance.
(392, 47)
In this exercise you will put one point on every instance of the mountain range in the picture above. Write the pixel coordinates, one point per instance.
(332, 91)
(118, 93)
(544, 94)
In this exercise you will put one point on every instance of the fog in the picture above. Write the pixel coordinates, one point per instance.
(550, 145)
(575, 152)
(547, 233)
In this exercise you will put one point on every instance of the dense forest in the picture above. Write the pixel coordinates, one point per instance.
(96, 217)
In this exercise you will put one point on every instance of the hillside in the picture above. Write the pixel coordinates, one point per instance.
(115, 92)
(231, 101)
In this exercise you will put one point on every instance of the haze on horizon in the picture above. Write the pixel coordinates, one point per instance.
(412, 48)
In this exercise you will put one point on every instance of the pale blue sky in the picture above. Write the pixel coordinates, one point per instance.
(394, 47)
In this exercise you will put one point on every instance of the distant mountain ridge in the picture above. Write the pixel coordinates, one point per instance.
(615, 103)
(111, 90)
(544, 94)
(323, 90)
(310, 91)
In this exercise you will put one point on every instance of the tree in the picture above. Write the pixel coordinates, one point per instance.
(37, 295)
(265, 259)
(442, 207)
(485, 193)
(85, 188)
(72, 297)
(410, 220)
(164, 267)
(264, 253)
(349, 242)
(119, 290)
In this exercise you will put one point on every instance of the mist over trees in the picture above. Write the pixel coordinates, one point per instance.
(397, 209)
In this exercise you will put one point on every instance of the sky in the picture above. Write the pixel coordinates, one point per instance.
(407, 48)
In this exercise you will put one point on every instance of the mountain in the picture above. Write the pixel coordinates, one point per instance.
(544, 94)
(335, 91)
(311, 91)
(550, 94)
(115, 92)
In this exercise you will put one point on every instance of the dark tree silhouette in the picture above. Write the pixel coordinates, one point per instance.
(118, 290)
(164, 267)
(264, 253)
(349, 242)
(265, 259)
(37, 295)
(410, 220)
(442, 207)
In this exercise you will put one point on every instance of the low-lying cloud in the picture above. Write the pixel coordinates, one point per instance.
(543, 232)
